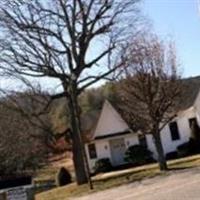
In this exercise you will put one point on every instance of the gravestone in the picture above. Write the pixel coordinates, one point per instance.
(18, 193)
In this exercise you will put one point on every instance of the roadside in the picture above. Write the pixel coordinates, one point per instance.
(118, 178)
(178, 185)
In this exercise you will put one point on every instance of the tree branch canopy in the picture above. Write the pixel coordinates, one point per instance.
(151, 88)
(64, 39)
(70, 41)
(152, 83)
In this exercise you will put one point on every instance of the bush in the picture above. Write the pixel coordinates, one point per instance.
(63, 177)
(194, 146)
(103, 165)
(183, 149)
(189, 148)
(138, 155)
(171, 155)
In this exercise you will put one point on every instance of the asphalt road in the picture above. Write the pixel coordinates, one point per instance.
(178, 185)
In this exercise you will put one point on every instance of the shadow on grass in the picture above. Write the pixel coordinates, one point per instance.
(179, 168)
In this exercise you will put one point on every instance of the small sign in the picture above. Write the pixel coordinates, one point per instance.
(18, 193)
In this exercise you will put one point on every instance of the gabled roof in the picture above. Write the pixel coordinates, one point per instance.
(190, 91)
(110, 123)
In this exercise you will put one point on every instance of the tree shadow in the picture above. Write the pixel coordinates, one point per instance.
(179, 168)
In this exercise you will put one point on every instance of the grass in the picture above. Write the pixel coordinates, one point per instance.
(113, 179)
(46, 174)
(63, 193)
(55, 163)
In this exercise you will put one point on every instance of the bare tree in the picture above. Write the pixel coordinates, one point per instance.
(151, 88)
(29, 152)
(32, 106)
(73, 41)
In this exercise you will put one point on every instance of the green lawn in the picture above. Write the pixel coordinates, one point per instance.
(113, 179)
(46, 174)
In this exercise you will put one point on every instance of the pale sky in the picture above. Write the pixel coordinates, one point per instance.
(180, 20)
(176, 19)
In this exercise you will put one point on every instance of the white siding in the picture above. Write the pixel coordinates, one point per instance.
(197, 108)
(184, 130)
(170, 145)
(111, 122)
(131, 139)
(151, 145)
(103, 148)
(197, 103)
(91, 162)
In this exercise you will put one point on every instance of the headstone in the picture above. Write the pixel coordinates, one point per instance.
(18, 193)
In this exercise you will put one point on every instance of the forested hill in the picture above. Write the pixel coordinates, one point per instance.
(91, 102)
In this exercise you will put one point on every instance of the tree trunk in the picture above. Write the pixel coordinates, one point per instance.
(77, 144)
(161, 156)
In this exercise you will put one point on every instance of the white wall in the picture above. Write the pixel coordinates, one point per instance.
(184, 130)
(103, 148)
(197, 108)
(131, 139)
(151, 145)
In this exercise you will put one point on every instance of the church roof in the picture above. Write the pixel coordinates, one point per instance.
(110, 123)
(190, 90)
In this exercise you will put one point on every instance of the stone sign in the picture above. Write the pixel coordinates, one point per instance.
(18, 193)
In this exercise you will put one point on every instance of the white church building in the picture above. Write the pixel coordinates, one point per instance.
(112, 135)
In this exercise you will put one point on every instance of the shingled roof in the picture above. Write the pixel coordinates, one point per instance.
(190, 91)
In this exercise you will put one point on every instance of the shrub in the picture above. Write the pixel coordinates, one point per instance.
(183, 149)
(171, 155)
(188, 148)
(63, 177)
(194, 146)
(138, 155)
(103, 165)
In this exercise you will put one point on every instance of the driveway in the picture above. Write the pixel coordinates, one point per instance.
(178, 185)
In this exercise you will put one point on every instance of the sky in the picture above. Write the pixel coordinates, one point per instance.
(179, 20)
